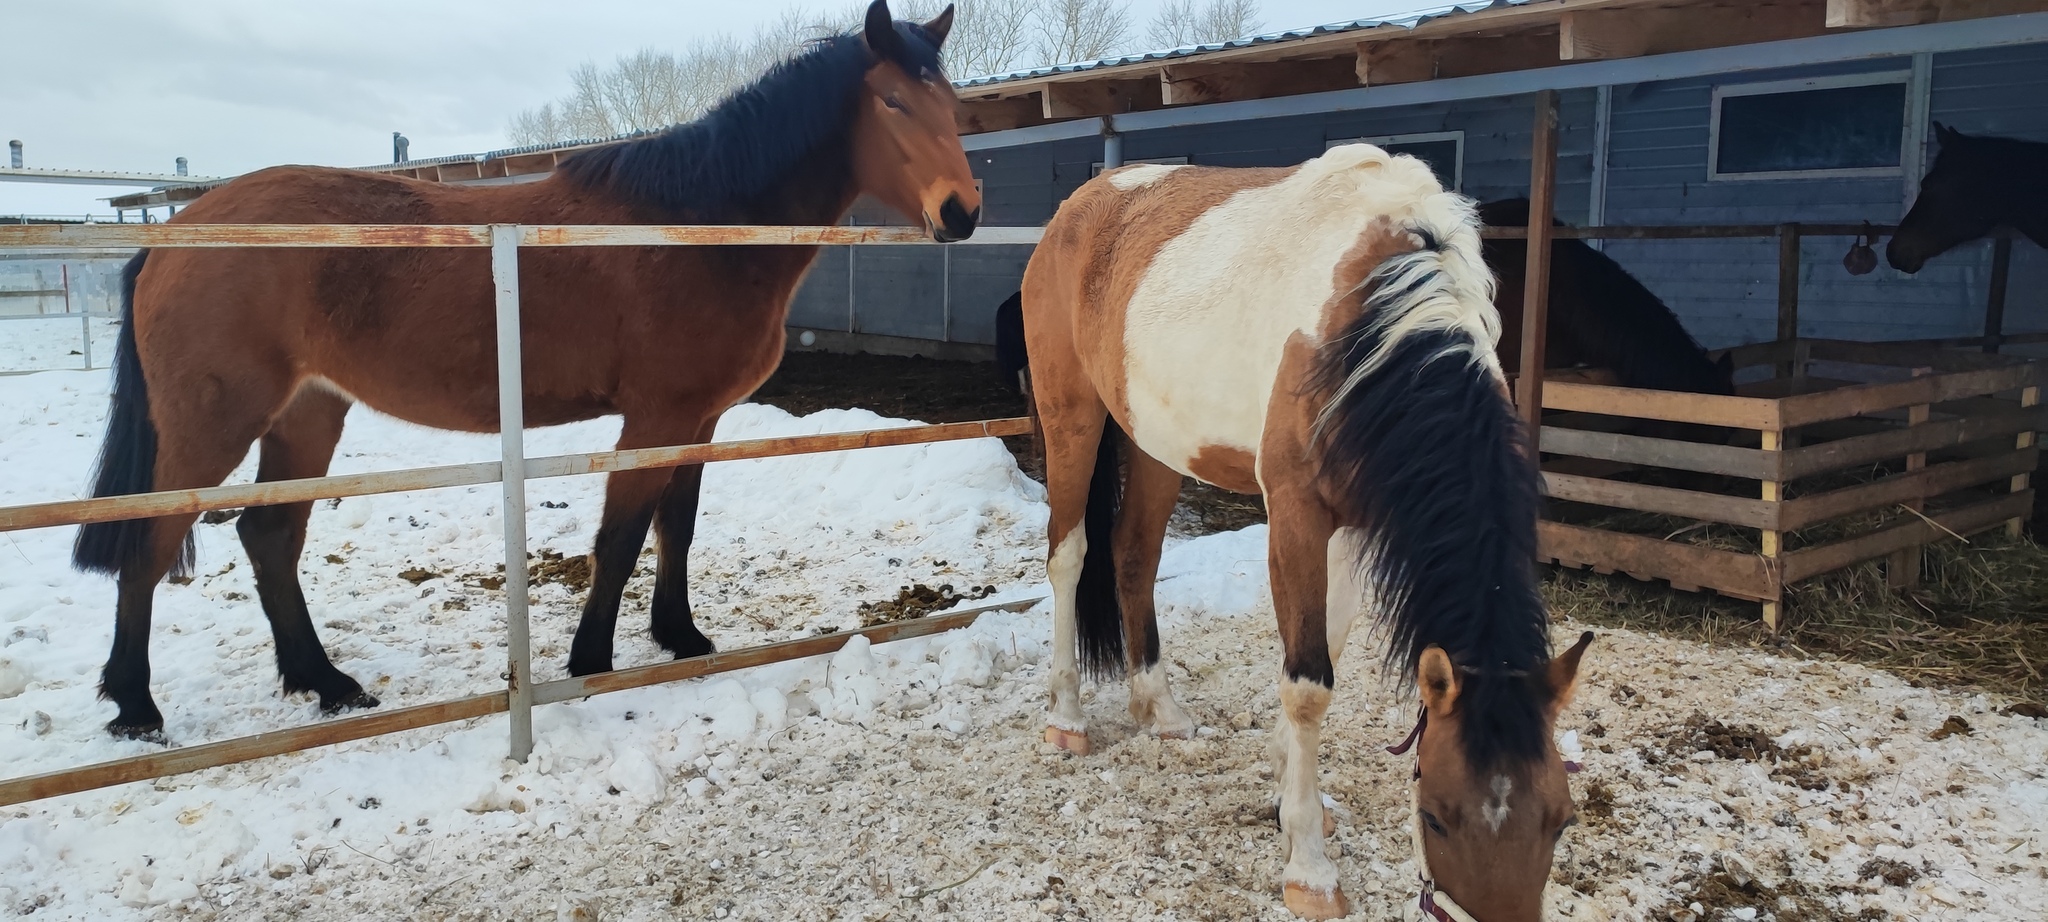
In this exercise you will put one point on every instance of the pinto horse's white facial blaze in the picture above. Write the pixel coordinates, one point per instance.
(1496, 810)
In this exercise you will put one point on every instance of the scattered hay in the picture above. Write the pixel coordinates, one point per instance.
(1720, 894)
(916, 602)
(1953, 726)
(1895, 873)
(1979, 618)
(416, 575)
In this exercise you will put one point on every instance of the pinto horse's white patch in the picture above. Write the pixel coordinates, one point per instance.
(1208, 322)
(1140, 176)
(1495, 812)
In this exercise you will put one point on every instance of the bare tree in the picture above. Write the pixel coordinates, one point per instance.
(1191, 22)
(989, 37)
(1071, 31)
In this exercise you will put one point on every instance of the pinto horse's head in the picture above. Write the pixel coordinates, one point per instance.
(906, 146)
(1960, 200)
(1486, 832)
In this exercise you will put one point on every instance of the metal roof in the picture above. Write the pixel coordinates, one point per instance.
(1399, 21)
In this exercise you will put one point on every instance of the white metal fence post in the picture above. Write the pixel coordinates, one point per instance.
(512, 470)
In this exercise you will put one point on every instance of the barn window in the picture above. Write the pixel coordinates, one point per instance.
(1444, 151)
(1808, 129)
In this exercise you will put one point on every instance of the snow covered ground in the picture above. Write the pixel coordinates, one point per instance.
(904, 780)
(53, 341)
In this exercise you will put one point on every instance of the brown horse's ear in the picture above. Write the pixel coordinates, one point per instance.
(1439, 680)
(1944, 135)
(1564, 674)
(880, 32)
(940, 26)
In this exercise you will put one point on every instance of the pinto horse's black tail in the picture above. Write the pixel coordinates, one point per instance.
(1099, 618)
(127, 463)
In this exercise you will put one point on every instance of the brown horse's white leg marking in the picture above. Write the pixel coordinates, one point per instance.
(1065, 725)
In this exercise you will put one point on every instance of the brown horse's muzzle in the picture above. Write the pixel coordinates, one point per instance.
(955, 221)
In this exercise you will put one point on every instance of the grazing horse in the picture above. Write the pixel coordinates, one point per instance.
(1322, 335)
(226, 347)
(1977, 185)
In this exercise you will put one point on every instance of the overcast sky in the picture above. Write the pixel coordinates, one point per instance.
(236, 85)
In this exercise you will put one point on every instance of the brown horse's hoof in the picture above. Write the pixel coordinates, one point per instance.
(1315, 902)
(145, 733)
(1076, 743)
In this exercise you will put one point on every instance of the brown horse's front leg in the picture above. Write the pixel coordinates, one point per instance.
(675, 526)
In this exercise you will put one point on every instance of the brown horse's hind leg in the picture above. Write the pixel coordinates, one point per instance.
(675, 526)
(1150, 491)
(204, 425)
(300, 444)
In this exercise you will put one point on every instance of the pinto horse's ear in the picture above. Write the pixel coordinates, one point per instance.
(1439, 679)
(880, 32)
(940, 26)
(1564, 674)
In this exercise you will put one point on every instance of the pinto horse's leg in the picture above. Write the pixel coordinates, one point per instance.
(1072, 437)
(300, 444)
(1150, 491)
(675, 526)
(630, 498)
(1298, 552)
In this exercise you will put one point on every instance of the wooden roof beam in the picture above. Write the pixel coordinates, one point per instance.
(999, 114)
(1599, 35)
(1871, 14)
(1191, 84)
(1385, 62)
(1082, 99)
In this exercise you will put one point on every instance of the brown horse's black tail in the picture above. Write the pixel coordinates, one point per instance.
(1099, 638)
(127, 462)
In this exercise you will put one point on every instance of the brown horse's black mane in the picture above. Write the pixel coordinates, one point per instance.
(1612, 319)
(743, 147)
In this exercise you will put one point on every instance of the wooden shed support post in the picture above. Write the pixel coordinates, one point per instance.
(1788, 292)
(1536, 276)
(2030, 396)
(1770, 545)
(1994, 301)
(1902, 568)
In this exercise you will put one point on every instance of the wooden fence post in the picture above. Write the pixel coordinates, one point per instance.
(1788, 290)
(1536, 277)
(1902, 568)
(2029, 397)
(1770, 545)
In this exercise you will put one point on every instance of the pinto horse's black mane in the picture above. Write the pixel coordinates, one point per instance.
(1607, 316)
(744, 146)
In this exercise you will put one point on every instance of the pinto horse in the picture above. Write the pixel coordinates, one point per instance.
(1977, 185)
(1323, 335)
(226, 347)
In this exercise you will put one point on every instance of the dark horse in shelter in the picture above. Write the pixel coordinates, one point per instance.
(1977, 185)
(225, 347)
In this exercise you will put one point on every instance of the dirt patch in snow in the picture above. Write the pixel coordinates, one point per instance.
(918, 601)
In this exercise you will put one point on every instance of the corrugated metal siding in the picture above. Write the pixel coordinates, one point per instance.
(1726, 291)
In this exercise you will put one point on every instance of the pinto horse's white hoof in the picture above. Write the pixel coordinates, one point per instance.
(1311, 902)
(1076, 743)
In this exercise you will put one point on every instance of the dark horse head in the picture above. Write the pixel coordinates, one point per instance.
(1977, 185)
(865, 113)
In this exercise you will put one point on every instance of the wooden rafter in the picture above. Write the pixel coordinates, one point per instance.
(1188, 84)
(1383, 63)
(1596, 35)
(1870, 14)
(1076, 99)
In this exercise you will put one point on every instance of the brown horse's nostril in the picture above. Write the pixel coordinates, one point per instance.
(955, 221)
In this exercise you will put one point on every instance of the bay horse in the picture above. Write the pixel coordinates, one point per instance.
(1977, 185)
(1323, 335)
(225, 347)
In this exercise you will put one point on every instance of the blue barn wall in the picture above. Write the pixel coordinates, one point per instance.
(1656, 173)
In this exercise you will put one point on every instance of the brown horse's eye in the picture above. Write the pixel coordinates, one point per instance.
(892, 102)
(1429, 819)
